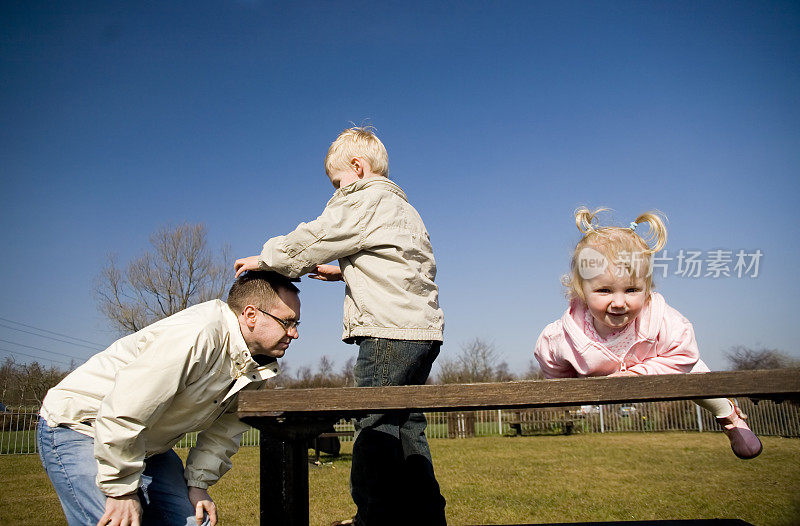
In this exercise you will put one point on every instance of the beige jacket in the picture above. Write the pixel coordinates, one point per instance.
(142, 394)
(385, 255)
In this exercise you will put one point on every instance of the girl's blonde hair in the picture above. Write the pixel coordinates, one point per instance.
(622, 246)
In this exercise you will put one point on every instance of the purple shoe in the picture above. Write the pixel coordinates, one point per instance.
(744, 443)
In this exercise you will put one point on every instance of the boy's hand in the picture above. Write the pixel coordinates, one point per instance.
(202, 502)
(244, 264)
(327, 273)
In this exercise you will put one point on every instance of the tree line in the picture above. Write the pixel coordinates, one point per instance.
(180, 270)
(477, 361)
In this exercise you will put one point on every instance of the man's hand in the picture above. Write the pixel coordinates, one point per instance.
(327, 273)
(202, 502)
(125, 510)
(243, 264)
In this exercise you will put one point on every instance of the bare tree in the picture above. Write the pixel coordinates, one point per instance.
(325, 367)
(533, 372)
(178, 271)
(324, 375)
(348, 374)
(26, 384)
(477, 362)
(502, 373)
(744, 358)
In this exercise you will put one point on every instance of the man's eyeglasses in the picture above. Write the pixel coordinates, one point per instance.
(287, 325)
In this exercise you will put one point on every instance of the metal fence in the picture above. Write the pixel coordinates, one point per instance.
(767, 418)
(18, 431)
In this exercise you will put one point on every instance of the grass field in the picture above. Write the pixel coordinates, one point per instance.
(503, 480)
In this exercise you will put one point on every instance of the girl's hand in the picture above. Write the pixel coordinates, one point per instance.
(327, 273)
(623, 373)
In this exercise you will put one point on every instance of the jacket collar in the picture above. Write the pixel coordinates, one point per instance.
(647, 323)
(379, 182)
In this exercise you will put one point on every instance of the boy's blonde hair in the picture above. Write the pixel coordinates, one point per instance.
(622, 246)
(357, 142)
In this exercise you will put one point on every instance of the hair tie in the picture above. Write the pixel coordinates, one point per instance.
(633, 225)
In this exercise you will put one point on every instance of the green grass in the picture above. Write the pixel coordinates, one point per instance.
(503, 480)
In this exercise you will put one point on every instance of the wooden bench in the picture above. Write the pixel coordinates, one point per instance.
(289, 418)
(518, 420)
(329, 434)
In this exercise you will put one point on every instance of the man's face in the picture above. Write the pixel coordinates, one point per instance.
(268, 337)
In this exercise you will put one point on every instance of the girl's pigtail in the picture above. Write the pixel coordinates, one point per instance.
(657, 232)
(585, 220)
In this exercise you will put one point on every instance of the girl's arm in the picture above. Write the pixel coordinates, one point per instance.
(550, 361)
(679, 356)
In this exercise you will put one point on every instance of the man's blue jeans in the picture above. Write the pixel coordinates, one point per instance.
(68, 458)
(392, 480)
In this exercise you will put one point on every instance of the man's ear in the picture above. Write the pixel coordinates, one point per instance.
(250, 314)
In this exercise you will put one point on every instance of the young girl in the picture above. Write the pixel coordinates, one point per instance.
(617, 326)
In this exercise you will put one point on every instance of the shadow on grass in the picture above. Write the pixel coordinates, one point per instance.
(325, 459)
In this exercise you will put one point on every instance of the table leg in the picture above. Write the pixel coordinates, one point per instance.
(284, 482)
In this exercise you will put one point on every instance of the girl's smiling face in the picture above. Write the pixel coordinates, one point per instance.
(614, 298)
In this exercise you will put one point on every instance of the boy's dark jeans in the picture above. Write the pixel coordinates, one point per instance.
(392, 480)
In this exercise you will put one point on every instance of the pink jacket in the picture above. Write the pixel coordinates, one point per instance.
(664, 344)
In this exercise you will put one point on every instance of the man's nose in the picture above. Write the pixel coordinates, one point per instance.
(293, 333)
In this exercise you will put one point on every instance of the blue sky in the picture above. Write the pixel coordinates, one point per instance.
(500, 119)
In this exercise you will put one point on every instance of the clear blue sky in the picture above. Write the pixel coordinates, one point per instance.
(500, 118)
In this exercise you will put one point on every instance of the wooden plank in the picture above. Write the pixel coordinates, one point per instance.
(764, 384)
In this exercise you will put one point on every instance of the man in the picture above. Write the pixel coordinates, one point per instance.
(107, 430)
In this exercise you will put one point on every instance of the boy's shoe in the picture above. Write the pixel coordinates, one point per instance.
(346, 522)
(744, 443)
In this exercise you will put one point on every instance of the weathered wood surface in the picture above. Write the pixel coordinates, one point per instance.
(343, 401)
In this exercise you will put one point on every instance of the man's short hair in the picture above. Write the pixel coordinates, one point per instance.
(357, 142)
(259, 288)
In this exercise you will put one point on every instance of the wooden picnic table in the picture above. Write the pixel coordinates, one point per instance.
(289, 418)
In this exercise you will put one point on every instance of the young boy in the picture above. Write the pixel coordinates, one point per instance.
(391, 310)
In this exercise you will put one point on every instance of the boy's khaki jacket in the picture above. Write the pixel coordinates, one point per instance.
(143, 393)
(385, 255)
